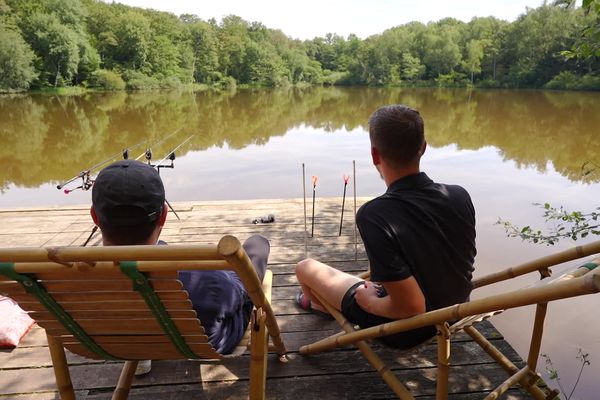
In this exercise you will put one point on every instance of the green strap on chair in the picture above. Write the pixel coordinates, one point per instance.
(141, 285)
(591, 266)
(32, 287)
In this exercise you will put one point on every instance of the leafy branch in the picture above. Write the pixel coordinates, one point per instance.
(553, 372)
(573, 225)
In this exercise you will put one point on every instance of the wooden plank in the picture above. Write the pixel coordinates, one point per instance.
(113, 314)
(100, 296)
(92, 274)
(293, 340)
(146, 339)
(126, 327)
(132, 351)
(89, 286)
(104, 376)
(238, 391)
(35, 357)
(108, 305)
(79, 394)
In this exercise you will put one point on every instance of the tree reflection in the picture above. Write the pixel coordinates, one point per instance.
(51, 138)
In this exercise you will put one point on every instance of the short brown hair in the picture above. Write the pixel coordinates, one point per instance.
(128, 235)
(397, 132)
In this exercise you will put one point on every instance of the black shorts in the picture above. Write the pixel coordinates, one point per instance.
(360, 317)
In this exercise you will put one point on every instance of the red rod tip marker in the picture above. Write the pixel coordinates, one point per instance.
(346, 178)
(314, 180)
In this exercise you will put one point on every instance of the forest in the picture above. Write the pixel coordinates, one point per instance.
(47, 44)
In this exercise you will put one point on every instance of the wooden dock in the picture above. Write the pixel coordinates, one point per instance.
(26, 371)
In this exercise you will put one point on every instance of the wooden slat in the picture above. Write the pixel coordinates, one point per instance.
(10, 289)
(126, 327)
(139, 304)
(113, 314)
(117, 285)
(108, 286)
(71, 275)
(148, 339)
(99, 296)
(145, 352)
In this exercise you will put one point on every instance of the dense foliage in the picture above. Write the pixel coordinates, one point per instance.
(55, 43)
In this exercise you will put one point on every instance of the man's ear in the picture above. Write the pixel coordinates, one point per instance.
(163, 214)
(375, 156)
(94, 216)
(423, 148)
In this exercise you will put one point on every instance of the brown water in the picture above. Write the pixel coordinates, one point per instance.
(508, 148)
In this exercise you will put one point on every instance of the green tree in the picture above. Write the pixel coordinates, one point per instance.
(442, 53)
(133, 36)
(533, 43)
(89, 61)
(474, 56)
(58, 48)
(412, 69)
(16, 61)
(587, 46)
(204, 45)
(233, 38)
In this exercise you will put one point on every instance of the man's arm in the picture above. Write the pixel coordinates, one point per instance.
(405, 299)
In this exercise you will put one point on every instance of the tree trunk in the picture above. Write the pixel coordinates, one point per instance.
(57, 75)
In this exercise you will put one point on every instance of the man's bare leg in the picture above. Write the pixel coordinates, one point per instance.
(328, 282)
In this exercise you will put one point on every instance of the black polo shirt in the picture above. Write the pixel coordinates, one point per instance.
(422, 229)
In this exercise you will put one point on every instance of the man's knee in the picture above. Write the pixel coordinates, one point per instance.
(303, 267)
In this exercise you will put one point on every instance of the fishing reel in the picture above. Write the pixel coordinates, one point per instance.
(170, 157)
(86, 183)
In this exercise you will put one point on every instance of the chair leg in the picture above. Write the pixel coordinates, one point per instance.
(388, 376)
(504, 362)
(61, 369)
(124, 385)
(258, 355)
(443, 344)
(536, 336)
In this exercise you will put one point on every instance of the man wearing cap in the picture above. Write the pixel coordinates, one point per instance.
(128, 204)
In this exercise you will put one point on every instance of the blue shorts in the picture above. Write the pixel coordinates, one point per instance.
(360, 317)
(220, 299)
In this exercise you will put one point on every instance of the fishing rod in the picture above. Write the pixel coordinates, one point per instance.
(346, 178)
(314, 182)
(87, 182)
(171, 157)
(148, 152)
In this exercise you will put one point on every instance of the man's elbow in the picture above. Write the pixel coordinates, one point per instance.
(414, 307)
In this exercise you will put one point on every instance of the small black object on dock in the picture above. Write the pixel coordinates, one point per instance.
(265, 219)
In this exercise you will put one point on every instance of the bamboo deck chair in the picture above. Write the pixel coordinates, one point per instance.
(127, 303)
(582, 280)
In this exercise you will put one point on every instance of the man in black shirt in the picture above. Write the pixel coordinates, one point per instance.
(419, 237)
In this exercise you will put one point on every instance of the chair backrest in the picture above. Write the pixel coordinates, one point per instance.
(102, 304)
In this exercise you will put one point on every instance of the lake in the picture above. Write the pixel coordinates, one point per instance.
(507, 148)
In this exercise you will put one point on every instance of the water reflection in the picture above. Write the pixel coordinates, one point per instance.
(50, 138)
(508, 148)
